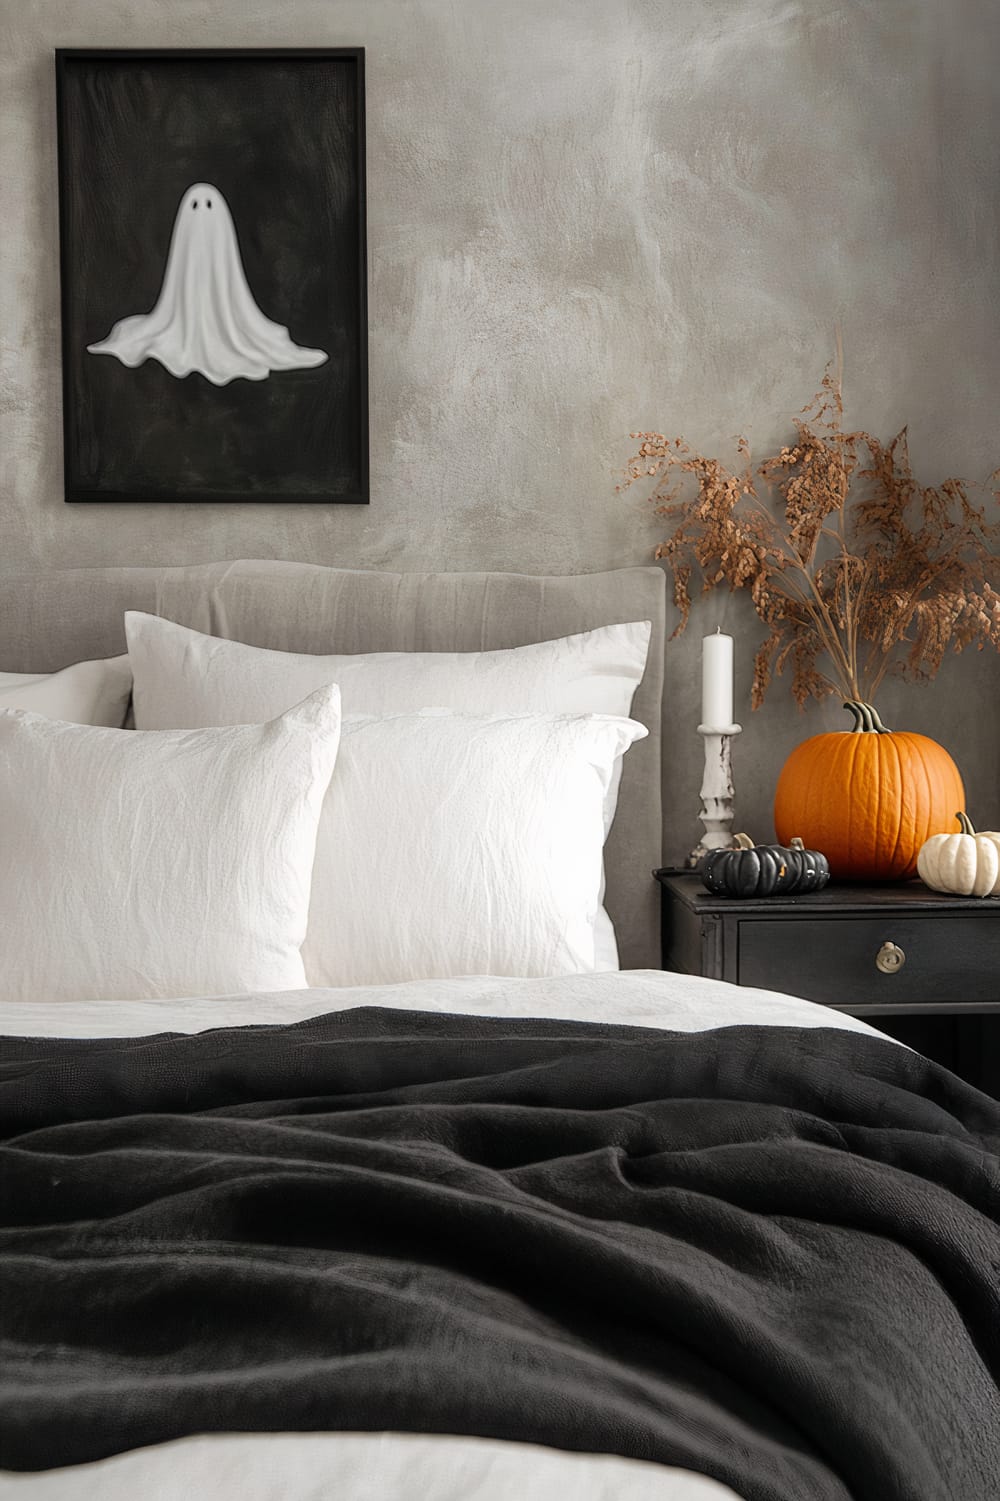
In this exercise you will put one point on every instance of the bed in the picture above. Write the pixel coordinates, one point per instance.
(617, 1233)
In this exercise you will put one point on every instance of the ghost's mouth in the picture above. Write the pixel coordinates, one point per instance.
(206, 318)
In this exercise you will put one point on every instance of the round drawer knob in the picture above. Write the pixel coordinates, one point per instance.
(890, 959)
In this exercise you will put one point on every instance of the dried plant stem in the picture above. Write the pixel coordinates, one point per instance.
(825, 629)
(817, 609)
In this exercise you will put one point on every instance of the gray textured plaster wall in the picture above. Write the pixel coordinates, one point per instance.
(587, 216)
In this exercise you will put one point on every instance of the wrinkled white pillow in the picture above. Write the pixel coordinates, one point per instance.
(138, 866)
(86, 693)
(456, 844)
(184, 678)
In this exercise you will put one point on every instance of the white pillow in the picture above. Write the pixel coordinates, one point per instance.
(86, 693)
(186, 679)
(456, 844)
(138, 865)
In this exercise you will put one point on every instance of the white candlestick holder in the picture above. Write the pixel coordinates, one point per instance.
(716, 792)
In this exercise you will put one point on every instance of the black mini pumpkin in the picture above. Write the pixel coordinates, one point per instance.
(748, 870)
(808, 870)
(758, 870)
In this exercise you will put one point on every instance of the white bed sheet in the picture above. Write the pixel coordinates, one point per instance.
(636, 998)
(397, 1466)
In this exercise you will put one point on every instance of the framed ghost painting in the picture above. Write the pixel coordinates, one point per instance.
(212, 239)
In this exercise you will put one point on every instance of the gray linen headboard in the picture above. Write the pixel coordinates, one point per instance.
(52, 619)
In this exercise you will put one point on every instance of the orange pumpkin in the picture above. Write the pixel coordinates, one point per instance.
(867, 797)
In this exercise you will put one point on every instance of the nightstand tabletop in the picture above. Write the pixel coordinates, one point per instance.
(901, 896)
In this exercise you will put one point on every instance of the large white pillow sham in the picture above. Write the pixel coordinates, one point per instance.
(184, 679)
(139, 866)
(455, 844)
(86, 693)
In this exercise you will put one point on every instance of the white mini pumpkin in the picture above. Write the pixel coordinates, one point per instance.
(965, 864)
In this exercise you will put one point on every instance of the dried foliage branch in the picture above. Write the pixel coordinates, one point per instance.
(855, 569)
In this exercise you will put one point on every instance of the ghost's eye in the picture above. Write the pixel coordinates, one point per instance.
(195, 203)
(208, 203)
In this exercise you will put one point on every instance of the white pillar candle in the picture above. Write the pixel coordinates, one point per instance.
(717, 681)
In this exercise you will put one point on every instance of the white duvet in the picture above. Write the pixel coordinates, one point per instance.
(391, 1466)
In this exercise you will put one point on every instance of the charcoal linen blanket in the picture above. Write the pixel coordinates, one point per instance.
(769, 1254)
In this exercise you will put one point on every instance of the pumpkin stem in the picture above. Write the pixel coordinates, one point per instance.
(966, 823)
(744, 842)
(796, 843)
(866, 719)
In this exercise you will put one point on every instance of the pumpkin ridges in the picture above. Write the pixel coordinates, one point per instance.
(845, 754)
(940, 782)
(878, 767)
(841, 769)
(934, 785)
(855, 770)
(916, 804)
(955, 791)
(909, 812)
(900, 790)
(943, 791)
(865, 768)
(889, 812)
(869, 754)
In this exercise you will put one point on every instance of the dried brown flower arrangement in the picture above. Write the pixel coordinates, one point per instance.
(851, 561)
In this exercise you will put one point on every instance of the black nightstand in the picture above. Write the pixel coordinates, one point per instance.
(923, 967)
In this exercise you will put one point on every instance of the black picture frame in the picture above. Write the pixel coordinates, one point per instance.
(274, 282)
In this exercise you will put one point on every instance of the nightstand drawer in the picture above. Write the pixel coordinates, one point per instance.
(833, 959)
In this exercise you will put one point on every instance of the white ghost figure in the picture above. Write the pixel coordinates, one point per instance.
(205, 317)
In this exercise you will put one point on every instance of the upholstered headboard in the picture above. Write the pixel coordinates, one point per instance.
(49, 620)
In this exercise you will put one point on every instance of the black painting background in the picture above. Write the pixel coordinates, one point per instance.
(280, 138)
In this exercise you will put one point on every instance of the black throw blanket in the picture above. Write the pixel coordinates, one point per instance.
(768, 1254)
